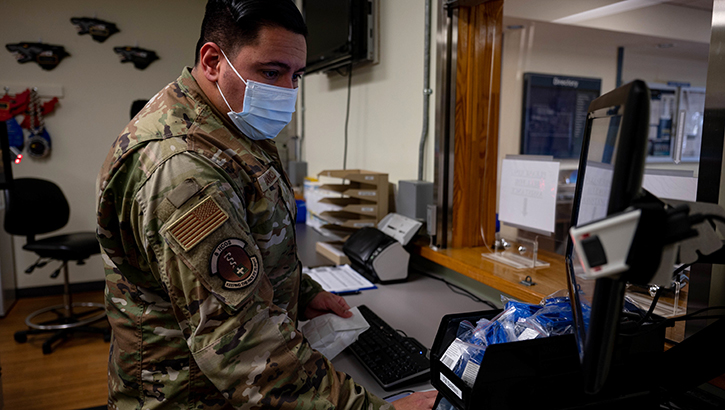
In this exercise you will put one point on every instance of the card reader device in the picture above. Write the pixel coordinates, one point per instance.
(377, 256)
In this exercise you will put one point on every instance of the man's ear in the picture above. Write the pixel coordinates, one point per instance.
(210, 57)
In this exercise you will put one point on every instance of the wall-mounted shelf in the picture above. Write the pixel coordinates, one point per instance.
(363, 199)
(358, 201)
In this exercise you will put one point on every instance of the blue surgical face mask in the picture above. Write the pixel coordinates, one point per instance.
(266, 109)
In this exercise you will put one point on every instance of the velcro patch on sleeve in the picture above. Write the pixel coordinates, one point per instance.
(198, 223)
(183, 192)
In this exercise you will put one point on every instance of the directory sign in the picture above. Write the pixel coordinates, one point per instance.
(555, 113)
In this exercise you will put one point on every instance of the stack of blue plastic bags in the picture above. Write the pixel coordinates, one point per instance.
(518, 321)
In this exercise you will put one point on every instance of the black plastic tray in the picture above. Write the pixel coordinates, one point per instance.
(544, 373)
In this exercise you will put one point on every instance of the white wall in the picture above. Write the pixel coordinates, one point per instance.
(98, 91)
(386, 104)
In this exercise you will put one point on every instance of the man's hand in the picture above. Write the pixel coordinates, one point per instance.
(326, 302)
(421, 400)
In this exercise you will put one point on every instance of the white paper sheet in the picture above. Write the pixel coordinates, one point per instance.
(339, 279)
(671, 186)
(330, 334)
(528, 193)
(400, 227)
(595, 192)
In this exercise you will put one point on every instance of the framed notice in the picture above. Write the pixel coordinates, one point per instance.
(555, 113)
(527, 198)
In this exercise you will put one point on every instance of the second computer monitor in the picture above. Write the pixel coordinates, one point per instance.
(610, 173)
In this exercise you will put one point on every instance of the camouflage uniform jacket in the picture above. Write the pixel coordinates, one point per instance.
(203, 281)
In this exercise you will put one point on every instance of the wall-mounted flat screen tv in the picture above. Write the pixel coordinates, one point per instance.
(341, 33)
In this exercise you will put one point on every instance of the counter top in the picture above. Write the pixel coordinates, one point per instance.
(469, 262)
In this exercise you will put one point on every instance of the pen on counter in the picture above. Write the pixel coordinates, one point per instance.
(352, 292)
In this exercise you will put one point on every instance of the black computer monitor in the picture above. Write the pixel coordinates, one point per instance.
(6, 171)
(609, 180)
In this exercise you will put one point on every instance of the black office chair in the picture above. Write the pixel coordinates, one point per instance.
(34, 207)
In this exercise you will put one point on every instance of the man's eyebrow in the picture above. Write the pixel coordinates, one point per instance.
(280, 65)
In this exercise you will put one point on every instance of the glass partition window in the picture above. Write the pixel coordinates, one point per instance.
(547, 40)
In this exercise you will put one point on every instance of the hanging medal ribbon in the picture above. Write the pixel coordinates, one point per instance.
(39, 141)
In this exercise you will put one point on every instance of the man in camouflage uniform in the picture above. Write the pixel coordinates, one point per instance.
(196, 224)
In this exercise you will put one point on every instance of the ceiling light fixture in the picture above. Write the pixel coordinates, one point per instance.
(616, 8)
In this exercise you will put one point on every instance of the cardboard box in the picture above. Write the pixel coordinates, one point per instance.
(333, 252)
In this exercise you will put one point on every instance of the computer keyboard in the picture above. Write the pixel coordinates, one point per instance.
(392, 359)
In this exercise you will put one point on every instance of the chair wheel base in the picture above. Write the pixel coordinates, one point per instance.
(61, 317)
(61, 335)
(21, 337)
(47, 349)
(54, 320)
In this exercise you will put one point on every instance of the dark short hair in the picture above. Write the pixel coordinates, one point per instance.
(232, 24)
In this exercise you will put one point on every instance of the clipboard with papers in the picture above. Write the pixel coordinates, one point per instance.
(342, 279)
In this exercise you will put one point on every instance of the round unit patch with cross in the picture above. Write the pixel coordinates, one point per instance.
(233, 264)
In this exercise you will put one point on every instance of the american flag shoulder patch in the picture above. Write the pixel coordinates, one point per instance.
(198, 223)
